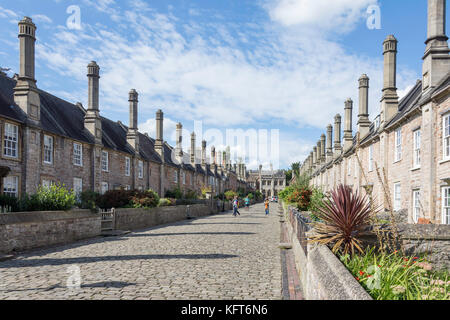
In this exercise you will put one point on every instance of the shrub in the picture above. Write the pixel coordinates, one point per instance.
(396, 277)
(55, 197)
(191, 194)
(115, 199)
(316, 202)
(145, 199)
(88, 199)
(174, 193)
(230, 194)
(344, 219)
(9, 203)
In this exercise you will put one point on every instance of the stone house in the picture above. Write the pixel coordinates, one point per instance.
(268, 182)
(48, 140)
(402, 158)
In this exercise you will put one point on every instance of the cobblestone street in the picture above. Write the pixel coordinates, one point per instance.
(216, 257)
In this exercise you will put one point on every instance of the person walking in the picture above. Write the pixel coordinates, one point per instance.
(235, 206)
(247, 203)
(266, 205)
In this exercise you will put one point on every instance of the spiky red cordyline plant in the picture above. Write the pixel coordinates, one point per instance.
(344, 218)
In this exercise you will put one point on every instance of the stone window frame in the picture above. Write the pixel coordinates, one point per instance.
(416, 206)
(397, 205)
(17, 177)
(45, 151)
(175, 176)
(127, 166)
(417, 145)
(140, 169)
(44, 181)
(78, 155)
(446, 136)
(18, 145)
(398, 140)
(445, 219)
(103, 162)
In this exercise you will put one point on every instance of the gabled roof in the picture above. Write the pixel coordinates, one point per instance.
(66, 119)
(407, 104)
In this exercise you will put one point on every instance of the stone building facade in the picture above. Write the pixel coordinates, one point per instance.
(268, 182)
(402, 158)
(48, 140)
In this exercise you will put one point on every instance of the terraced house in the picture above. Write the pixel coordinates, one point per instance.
(402, 158)
(49, 140)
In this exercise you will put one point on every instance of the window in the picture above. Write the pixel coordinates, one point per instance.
(416, 205)
(10, 147)
(140, 169)
(175, 176)
(371, 157)
(105, 164)
(183, 177)
(127, 187)
(77, 185)
(77, 154)
(127, 166)
(446, 137)
(11, 186)
(48, 149)
(192, 179)
(349, 166)
(398, 144)
(446, 205)
(397, 196)
(416, 148)
(104, 187)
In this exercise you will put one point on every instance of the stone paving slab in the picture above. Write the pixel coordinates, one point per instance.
(216, 257)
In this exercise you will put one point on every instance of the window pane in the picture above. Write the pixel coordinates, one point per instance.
(10, 140)
(10, 186)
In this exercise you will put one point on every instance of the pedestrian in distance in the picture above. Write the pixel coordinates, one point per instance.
(235, 206)
(247, 203)
(266, 205)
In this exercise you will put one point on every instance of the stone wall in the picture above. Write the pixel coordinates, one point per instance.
(322, 275)
(28, 230)
(130, 219)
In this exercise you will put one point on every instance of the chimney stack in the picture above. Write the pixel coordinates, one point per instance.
(132, 134)
(315, 157)
(337, 136)
(179, 146)
(436, 61)
(193, 158)
(322, 149)
(329, 155)
(204, 154)
(92, 120)
(159, 141)
(213, 159)
(26, 95)
(363, 117)
(389, 100)
(348, 131)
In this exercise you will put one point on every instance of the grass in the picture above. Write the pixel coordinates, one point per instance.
(395, 277)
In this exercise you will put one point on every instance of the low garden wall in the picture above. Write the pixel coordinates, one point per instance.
(130, 219)
(27, 230)
(322, 275)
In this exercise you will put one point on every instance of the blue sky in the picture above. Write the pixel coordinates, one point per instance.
(261, 64)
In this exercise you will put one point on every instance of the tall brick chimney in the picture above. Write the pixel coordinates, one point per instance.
(329, 152)
(213, 159)
(204, 154)
(179, 146)
(322, 148)
(132, 134)
(92, 121)
(337, 136)
(159, 141)
(193, 153)
(348, 131)
(389, 100)
(26, 95)
(363, 117)
(436, 61)
(315, 157)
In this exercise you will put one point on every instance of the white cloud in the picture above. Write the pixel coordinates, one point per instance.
(6, 13)
(336, 15)
(41, 18)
